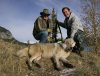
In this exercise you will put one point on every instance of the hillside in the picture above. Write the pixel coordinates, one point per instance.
(6, 35)
(10, 65)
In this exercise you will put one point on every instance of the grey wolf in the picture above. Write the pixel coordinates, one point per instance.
(57, 51)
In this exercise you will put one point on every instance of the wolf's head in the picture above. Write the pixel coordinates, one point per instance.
(69, 43)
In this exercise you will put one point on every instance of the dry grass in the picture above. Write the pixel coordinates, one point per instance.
(89, 65)
(11, 65)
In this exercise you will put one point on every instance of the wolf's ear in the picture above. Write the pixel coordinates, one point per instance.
(66, 41)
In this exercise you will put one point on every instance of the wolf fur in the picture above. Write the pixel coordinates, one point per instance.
(57, 51)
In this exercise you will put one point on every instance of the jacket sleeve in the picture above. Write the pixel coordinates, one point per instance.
(39, 24)
(75, 26)
(62, 24)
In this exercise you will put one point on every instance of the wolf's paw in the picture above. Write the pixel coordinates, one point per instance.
(29, 65)
(38, 65)
(59, 68)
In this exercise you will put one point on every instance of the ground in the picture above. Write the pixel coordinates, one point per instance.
(10, 65)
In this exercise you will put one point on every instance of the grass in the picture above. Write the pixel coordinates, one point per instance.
(10, 65)
(89, 65)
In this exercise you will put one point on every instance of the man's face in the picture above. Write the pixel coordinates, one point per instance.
(66, 12)
(45, 17)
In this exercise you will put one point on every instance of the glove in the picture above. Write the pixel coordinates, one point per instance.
(49, 30)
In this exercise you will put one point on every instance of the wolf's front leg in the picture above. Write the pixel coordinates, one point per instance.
(56, 59)
(66, 63)
(64, 60)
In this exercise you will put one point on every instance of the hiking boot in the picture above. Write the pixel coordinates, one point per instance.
(78, 51)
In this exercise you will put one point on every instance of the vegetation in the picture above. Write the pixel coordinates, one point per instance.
(91, 19)
(88, 65)
(10, 65)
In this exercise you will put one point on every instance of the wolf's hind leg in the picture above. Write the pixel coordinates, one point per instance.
(29, 61)
(36, 61)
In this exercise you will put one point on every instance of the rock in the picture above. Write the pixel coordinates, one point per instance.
(5, 34)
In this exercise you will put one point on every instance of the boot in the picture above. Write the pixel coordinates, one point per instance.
(79, 53)
(78, 50)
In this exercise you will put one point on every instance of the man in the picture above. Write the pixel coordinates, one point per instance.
(74, 28)
(41, 25)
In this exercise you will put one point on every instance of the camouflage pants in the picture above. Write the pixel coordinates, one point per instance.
(79, 37)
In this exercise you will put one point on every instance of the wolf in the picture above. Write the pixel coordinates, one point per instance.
(57, 51)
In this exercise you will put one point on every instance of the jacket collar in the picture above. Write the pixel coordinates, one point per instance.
(71, 15)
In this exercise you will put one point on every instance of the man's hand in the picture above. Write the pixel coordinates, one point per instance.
(49, 30)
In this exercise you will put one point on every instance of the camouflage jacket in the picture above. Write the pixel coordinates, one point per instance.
(41, 25)
(72, 24)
